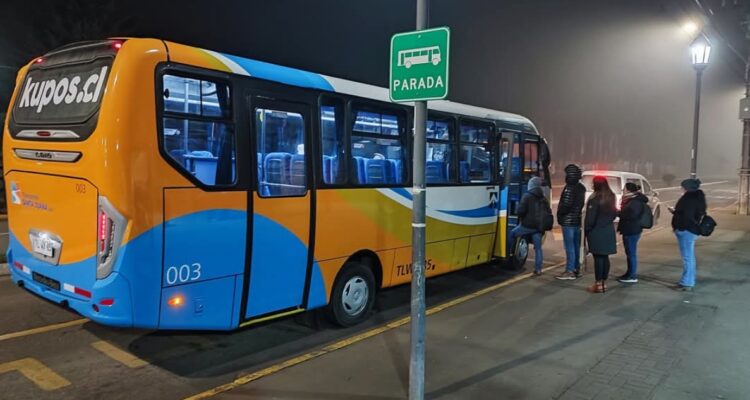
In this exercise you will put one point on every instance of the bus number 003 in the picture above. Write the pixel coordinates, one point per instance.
(183, 273)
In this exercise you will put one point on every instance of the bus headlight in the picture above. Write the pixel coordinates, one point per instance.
(110, 228)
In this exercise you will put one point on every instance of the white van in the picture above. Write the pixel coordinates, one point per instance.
(617, 181)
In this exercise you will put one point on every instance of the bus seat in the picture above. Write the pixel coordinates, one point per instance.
(277, 171)
(359, 162)
(205, 170)
(297, 170)
(463, 171)
(327, 169)
(398, 175)
(334, 173)
(378, 171)
(435, 172)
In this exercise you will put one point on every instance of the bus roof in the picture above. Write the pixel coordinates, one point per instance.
(301, 78)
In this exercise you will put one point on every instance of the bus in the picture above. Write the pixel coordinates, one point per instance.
(424, 55)
(162, 186)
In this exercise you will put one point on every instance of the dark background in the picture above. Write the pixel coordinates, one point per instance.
(608, 82)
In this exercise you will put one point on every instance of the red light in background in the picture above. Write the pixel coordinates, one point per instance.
(117, 45)
(84, 293)
(38, 60)
(44, 133)
(107, 302)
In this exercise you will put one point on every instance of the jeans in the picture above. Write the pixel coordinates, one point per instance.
(686, 240)
(572, 241)
(630, 242)
(536, 237)
(601, 267)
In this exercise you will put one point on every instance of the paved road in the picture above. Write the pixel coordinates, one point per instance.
(83, 360)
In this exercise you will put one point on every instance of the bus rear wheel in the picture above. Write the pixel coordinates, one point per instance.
(353, 295)
(518, 258)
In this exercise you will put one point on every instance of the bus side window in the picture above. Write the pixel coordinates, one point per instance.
(198, 131)
(332, 142)
(441, 147)
(474, 155)
(378, 146)
(531, 159)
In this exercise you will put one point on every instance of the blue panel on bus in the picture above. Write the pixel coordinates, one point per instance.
(202, 305)
(204, 245)
(290, 76)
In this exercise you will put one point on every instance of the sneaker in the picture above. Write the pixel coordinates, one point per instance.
(683, 288)
(537, 273)
(577, 273)
(627, 279)
(566, 276)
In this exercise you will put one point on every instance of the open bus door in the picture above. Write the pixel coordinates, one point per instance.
(521, 157)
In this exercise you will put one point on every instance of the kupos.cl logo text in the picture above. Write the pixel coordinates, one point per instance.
(68, 90)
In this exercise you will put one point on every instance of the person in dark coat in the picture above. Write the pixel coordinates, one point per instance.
(569, 214)
(600, 230)
(634, 204)
(688, 212)
(530, 214)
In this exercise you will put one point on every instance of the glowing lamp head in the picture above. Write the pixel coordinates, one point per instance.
(176, 301)
(700, 51)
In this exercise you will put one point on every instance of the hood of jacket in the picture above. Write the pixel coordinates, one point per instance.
(537, 191)
(573, 174)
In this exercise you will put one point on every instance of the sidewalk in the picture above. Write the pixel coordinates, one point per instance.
(547, 339)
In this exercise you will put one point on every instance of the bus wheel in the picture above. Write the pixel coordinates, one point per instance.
(353, 295)
(518, 259)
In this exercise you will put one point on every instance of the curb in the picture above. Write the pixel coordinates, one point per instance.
(4, 270)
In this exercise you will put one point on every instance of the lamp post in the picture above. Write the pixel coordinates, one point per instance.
(701, 53)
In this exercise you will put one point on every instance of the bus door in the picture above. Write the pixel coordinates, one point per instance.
(509, 167)
(280, 250)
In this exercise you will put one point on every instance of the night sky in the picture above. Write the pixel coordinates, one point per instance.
(607, 82)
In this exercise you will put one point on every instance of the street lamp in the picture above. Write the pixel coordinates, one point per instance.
(701, 53)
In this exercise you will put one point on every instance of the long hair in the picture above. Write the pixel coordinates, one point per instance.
(603, 193)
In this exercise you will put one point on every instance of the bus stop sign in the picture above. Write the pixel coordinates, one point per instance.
(419, 65)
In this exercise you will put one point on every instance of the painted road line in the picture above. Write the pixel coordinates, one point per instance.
(245, 379)
(121, 356)
(35, 371)
(42, 329)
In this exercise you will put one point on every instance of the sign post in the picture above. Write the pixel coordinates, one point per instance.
(419, 72)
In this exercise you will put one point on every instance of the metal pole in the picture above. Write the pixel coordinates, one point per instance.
(743, 207)
(418, 317)
(696, 122)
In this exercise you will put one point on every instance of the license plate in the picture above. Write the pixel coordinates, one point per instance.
(49, 282)
(43, 246)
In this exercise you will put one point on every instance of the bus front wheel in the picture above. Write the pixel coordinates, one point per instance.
(353, 295)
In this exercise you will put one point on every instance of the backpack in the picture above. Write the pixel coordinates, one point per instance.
(647, 217)
(546, 219)
(706, 225)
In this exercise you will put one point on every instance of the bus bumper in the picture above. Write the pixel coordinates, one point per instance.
(115, 288)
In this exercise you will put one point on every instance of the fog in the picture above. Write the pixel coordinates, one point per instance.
(608, 83)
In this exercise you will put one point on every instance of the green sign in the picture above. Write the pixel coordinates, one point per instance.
(419, 65)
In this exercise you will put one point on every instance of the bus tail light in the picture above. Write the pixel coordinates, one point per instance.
(110, 228)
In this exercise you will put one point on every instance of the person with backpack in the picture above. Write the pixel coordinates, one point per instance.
(600, 230)
(686, 223)
(535, 216)
(633, 217)
(569, 215)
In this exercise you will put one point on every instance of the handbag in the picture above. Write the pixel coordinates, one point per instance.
(706, 225)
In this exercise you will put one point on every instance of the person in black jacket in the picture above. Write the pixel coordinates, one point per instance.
(530, 213)
(600, 230)
(569, 212)
(634, 204)
(688, 212)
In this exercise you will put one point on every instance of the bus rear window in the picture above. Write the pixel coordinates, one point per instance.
(61, 96)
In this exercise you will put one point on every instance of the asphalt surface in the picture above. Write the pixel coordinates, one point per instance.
(84, 360)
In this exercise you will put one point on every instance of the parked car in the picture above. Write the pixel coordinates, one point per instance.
(617, 181)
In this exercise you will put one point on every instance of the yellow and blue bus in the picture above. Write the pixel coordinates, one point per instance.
(163, 186)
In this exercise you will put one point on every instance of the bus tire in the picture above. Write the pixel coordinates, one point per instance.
(517, 260)
(353, 295)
